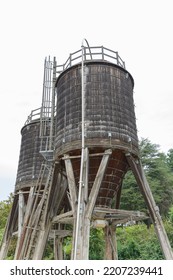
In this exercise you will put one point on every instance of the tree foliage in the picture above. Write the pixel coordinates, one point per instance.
(138, 243)
(97, 244)
(159, 176)
(5, 207)
(170, 159)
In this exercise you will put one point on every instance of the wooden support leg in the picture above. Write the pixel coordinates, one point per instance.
(85, 234)
(20, 219)
(152, 207)
(114, 244)
(54, 200)
(10, 225)
(55, 248)
(40, 246)
(110, 243)
(73, 196)
(5, 242)
(4, 249)
(97, 183)
(71, 182)
(20, 248)
(58, 248)
(21, 213)
(73, 238)
(81, 228)
(91, 203)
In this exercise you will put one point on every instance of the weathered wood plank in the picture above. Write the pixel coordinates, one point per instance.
(110, 243)
(56, 219)
(71, 182)
(97, 183)
(60, 233)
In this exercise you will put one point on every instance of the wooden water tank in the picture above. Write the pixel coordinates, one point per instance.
(109, 108)
(30, 159)
(109, 121)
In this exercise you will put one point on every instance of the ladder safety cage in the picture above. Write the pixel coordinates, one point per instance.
(47, 114)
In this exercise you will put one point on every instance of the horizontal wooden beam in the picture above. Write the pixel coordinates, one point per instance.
(90, 155)
(56, 219)
(118, 211)
(60, 233)
(118, 216)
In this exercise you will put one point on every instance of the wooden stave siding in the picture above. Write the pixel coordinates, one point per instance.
(109, 108)
(112, 180)
(30, 159)
(96, 138)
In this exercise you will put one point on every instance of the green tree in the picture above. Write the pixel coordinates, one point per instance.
(170, 214)
(5, 207)
(159, 177)
(97, 244)
(158, 174)
(170, 159)
(138, 243)
(131, 197)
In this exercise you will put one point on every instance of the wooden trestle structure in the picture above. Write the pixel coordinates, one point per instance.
(36, 219)
(78, 186)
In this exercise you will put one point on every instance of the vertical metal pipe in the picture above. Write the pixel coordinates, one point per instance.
(83, 100)
(42, 108)
(80, 207)
(82, 153)
(52, 105)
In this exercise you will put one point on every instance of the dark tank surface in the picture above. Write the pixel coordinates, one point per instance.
(109, 108)
(112, 180)
(30, 159)
(109, 122)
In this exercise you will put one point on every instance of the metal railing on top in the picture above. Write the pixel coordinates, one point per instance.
(34, 115)
(91, 53)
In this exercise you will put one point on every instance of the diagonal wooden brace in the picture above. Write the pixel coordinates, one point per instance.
(140, 177)
(71, 182)
(97, 183)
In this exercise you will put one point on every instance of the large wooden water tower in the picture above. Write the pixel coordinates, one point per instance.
(90, 143)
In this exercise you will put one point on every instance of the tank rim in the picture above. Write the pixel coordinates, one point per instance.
(31, 123)
(95, 62)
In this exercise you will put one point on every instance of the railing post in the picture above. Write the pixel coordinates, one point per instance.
(102, 53)
(84, 53)
(117, 58)
(70, 59)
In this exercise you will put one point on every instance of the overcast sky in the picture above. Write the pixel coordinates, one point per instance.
(140, 30)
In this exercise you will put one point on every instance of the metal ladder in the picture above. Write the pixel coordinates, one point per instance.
(38, 210)
(35, 215)
(47, 114)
